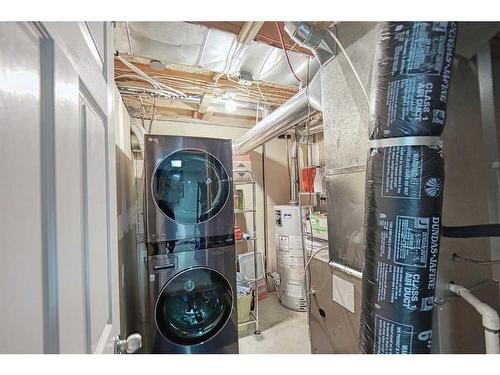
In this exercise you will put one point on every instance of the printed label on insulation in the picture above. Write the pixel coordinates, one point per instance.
(411, 241)
(392, 337)
(405, 239)
(425, 51)
(399, 285)
(402, 172)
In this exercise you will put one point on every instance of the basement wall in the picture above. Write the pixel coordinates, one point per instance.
(126, 195)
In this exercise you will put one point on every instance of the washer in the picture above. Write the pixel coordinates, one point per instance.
(191, 262)
(193, 304)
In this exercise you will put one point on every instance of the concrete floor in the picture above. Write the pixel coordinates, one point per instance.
(282, 331)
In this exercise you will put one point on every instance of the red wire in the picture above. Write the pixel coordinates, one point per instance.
(286, 52)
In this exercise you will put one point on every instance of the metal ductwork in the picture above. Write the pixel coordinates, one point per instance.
(298, 108)
(317, 39)
(294, 111)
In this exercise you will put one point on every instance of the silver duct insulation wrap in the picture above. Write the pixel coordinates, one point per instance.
(294, 111)
(404, 185)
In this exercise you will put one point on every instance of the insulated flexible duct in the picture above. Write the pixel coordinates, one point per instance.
(404, 185)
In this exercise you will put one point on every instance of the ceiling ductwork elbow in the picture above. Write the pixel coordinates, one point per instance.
(298, 108)
(318, 39)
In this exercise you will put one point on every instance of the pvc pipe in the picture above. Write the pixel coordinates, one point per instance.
(491, 320)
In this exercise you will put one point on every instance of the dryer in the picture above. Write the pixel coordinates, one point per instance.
(191, 262)
(188, 186)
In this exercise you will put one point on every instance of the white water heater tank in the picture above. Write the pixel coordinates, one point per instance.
(290, 256)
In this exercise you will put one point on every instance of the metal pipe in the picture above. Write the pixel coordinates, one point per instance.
(490, 318)
(265, 112)
(317, 39)
(294, 171)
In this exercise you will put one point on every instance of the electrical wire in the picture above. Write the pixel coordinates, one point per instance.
(286, 52)
(322, 248)
(155, 83)
(262, 95)
(143, 109)
(458, 258)
(274, 96)
(275, 65)
(153, 110)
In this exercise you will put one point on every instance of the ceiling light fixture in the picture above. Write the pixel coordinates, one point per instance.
(231, 105)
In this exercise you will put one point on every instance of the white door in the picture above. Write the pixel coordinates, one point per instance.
(58, 259)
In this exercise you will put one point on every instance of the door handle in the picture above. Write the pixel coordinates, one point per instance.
(164, 266)
(132, 344)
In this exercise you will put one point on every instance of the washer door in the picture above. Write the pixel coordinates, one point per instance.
(194, 306)
(190, 186)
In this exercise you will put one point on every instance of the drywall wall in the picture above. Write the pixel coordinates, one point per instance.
(126, 196)
(276, 176)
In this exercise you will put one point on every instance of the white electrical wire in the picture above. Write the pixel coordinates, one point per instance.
(350, 64)
(323, 248)
(275, 65)
(155, 83)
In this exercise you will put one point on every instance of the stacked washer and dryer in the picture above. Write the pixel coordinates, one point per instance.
(191, 263)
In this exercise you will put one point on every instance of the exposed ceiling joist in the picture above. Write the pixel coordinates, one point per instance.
(205, 102)
(249, 31)
(267, 33)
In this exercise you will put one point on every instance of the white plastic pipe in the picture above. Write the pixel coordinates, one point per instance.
(491, 320)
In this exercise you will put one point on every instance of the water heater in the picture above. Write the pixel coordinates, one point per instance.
(290, 257)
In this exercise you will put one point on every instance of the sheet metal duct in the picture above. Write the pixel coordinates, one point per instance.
(317, 39)
(297, 108)
(292, 112)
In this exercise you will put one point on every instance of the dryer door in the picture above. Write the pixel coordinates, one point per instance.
(190, 186)
(194, 306)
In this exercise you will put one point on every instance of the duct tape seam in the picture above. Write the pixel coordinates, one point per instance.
(406, 141)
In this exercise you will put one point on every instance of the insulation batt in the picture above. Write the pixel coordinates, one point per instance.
(404, 186)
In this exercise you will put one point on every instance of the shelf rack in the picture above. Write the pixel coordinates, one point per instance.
(254, 316)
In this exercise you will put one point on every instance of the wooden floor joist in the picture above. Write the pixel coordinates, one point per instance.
(199, 83)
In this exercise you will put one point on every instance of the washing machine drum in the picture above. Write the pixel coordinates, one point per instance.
(190, 186)
(194, 306)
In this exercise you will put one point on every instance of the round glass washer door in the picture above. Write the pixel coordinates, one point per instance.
(190, 186)
(194, 306)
